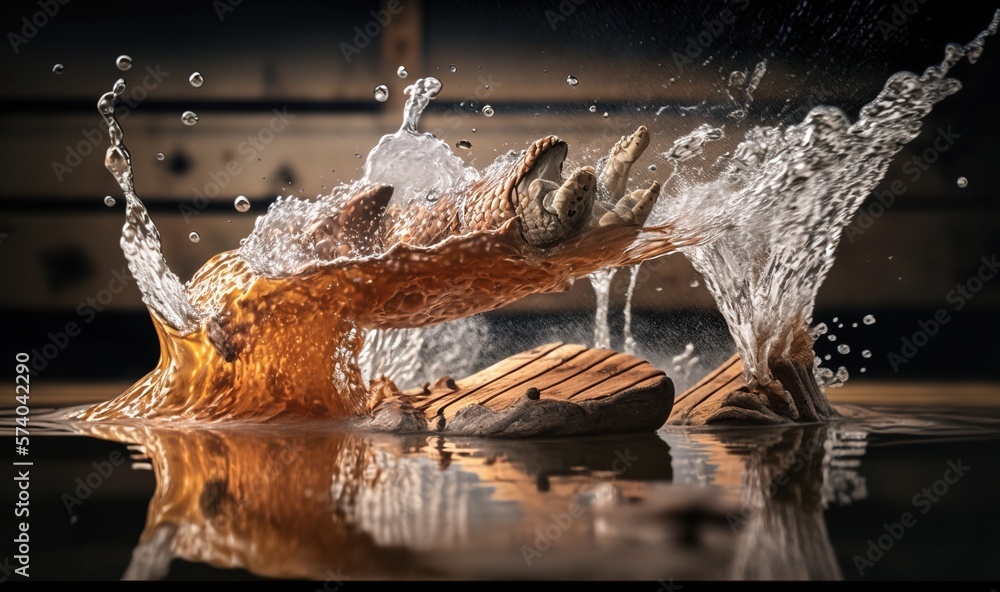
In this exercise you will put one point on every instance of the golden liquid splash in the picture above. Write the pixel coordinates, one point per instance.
(288, 347)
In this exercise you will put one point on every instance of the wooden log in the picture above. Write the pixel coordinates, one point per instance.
(703, 399)
(553, 389)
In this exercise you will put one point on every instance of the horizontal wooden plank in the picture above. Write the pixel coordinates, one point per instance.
(567, 372)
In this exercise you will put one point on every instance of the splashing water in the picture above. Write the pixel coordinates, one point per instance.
(601, 282)
(242, 204)
(162, 291)
(787, 194)
(279, 326)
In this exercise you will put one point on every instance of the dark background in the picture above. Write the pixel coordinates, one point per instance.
(60, 243)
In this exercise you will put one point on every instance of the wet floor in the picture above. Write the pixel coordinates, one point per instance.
(901, 497)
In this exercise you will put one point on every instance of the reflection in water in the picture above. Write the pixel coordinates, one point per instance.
(320, 502)
(317, 503)
(782, 480)
(308, 503)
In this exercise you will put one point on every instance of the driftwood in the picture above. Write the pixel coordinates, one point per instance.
(552, 390)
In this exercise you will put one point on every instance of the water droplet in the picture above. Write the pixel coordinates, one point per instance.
(109, 201)
(473, 130)
(605, 115)
(855, 325)
(196, 79)
(401, 72)
(160, 156)
(357, 155)
(572, 80)
(593, 109)
(695, 283)
(831, 337)
(381, 93)
(835, 319)
(869, 320)
(843, 348)
(866, 353)
(452, 68)
(488, 111)
(58, 69)
(189, 118)
(464, 144)
(652, 168)
(840, 325)
(962, 182)
(827, 357)
(124, 62)
(863, 369)
(242, 204)
(820, 329)
(194, 236)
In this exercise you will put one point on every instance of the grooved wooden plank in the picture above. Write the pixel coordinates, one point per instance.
(619, 382)
(553, 383)
(727, 377)
(441, 397)
(559, 371)
(600, 373)
(715, 373)
(516, 382)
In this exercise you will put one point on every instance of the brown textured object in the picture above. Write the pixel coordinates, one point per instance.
(696, 404)
(723, 396)
(553, 389)
(287, 347)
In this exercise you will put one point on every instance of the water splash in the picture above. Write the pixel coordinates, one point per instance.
(162, 291)
(402, 159)
(601, 282)
(294, 304)
(631, 345)
(787, 194)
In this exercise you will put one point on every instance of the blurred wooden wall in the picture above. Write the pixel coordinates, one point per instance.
(59, 242)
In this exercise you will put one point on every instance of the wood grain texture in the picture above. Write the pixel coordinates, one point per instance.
(553, 389)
